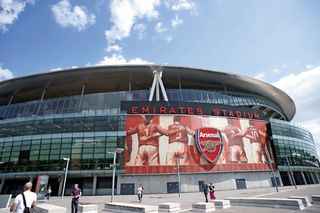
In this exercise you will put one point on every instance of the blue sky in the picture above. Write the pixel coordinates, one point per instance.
(274, 41)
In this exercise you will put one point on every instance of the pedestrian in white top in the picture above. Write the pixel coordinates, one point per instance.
(31, 199)
(140, 192)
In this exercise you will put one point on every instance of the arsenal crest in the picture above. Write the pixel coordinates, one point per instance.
(209, 143)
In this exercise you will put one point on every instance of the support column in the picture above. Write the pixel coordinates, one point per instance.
(11, 98)
(94, 185)
(290, 178)
(31, 179)
(3, 179)
(81, 96)
(303, 178)
(312, 176)
(180, 90)
(130, 86)
(40, 102)
(157, 84)
(60, 185)
(317, 178)
(4, 114)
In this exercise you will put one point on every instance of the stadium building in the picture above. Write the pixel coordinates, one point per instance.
(168, 128)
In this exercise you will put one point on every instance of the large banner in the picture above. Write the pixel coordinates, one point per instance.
(157, 143)
(41, 187)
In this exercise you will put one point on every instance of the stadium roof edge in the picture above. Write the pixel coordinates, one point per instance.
(68, 82)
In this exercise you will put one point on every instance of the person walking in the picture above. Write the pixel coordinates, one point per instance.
(211, 191)
(76, 193)
(27, 199)
(48, 194)
(140, 192)
(205, 190)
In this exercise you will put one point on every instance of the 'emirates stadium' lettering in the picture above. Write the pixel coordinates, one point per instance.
(192, 111)
(208, 135)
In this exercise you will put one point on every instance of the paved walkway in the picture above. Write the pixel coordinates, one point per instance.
(186, 199)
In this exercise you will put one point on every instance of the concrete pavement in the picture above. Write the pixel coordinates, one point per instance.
(186, 199)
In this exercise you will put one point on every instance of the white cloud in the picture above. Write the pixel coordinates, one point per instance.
(117, 59)
(10, 10)
(60, 68)
(260, 76)
(114, 48)
(309, 66)
(168, 38)
(125, 13)
(159, 28)
(275, 70)
(182, 5)
(176, 22)
(140, 28)
(304, 89)
(56, 69)
(279, 68)
(68, 16)
(5, 74)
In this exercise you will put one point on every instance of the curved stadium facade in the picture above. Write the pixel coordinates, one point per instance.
(87, 114)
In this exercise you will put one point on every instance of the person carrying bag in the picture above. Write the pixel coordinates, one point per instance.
(26, 201)
(26, 209)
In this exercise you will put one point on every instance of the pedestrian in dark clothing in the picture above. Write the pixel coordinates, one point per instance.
(205, 188)
(76, 193)
(48, 194)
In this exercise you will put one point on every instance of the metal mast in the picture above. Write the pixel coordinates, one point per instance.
(157, 84)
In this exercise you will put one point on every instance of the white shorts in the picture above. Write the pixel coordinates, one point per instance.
(256, 152)
(147, 155)
(177, 149)
(237, 154)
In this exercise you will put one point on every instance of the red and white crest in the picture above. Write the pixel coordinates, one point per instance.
(209, 143)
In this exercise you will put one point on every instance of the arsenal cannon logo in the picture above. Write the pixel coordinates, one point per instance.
(209, 143)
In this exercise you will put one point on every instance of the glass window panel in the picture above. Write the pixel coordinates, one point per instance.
(5, 154)
(26, 142)
(65, 152)
(76, 150)
(15, 148)
(54, 151)
(44, 151)
(75, 156)
(36, 141)
(33, 157)
(99, 155)
(54, 157)
(35, 146)
(55, 146)
(25, 147)
(87, 156)
(17, 143)
(66, 140)
(43, 157)
(65, 145)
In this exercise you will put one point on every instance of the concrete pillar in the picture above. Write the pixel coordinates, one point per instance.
(31, 179)
(312, 176)
(3, 179)
(60, 185)
(303, 178)
(316, 177)
(290, 178)
(94, 185)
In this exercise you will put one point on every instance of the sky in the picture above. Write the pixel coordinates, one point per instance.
(275, 41)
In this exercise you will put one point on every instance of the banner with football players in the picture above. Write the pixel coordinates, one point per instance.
(158, 143)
